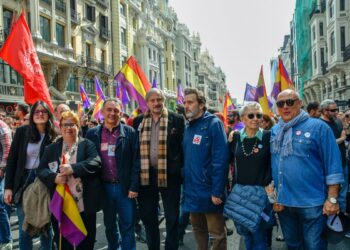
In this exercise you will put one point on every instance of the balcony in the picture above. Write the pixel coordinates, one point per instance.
(60, 6)
(94, 64)
(7, 89)
(75, 17)
(104, 33)
(103, 3)
(346, 53)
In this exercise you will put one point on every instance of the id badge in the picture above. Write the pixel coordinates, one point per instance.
(111, 150)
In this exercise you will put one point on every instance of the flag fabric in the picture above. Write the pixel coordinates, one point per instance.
(135, 82)
(154, 83)
(180, 95)
(100, 98)
(282, 81)
(80, 111)
(84, 97)
(261, 94)
(250, 93)
(66, 212)
(136, 112)
(228, 106)
(122, 94)
(19, 52)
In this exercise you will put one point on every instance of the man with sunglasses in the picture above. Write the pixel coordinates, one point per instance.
(330, 111)
(307, 171)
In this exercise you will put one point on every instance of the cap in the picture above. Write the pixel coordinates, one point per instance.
(336, 228)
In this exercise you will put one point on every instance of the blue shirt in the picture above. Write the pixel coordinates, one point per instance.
(302, 178)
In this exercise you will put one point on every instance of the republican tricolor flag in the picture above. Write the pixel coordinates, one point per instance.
(261, 94)
(228, 106)
(66, 212)
(282, 81)
(135, 82)
(100, 98)
(84, 97)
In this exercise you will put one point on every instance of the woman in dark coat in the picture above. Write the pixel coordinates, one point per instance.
(80, 171)
(26, 150)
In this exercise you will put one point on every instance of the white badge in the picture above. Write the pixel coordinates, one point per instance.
(53, 166)
(307, 134)
(260, 146)
(298, 132)
(197, 139)
(111, 150)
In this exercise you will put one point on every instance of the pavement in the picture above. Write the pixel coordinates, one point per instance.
(234, 242)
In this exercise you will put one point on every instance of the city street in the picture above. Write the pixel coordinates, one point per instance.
(235, 242)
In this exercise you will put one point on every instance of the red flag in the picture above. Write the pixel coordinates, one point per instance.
(19, 52)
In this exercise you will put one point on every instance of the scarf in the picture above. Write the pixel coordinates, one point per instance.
(145, 142)
(284, 135)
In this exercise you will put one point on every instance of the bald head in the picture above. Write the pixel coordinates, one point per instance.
(288, 104)
(288, 93)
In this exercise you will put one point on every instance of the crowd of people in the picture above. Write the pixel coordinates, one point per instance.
(254, 168)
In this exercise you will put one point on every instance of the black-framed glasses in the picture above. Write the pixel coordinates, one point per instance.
(333, 110)
(289, 102)
(68, 125)
(252, 115)
(38, 112)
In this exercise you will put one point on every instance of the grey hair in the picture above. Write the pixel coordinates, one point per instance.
(117, 101)
(153, 91)
(325, 103)
(249, 105)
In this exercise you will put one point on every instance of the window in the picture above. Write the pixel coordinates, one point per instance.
(315, 60)
(90, 13)
(60, 34)
(342, 5)
(321, 28)
(313, 33)
(154, 55)
(122, 10)
(123, 59)
(331, 9)
(88, 52)
(149, 53)
(332, 43)
(103, 56)
(72, 84)
(89, 86)
(123, 36)
(103, 26)
(150, 75)
(7, 22)
(342, 38)
(45, 28)
(322, 57)
(134, 23)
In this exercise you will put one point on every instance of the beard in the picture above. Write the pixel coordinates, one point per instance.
(190, 115)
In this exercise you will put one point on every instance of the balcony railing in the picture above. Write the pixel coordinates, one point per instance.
(346, 53)
(103, 3)
(8, 89)
(104, 33)
(60, 6)
(94, 64)
(75, 16)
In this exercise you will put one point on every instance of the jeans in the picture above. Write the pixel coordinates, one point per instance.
(118, 203)
(184, 219)
(256, 241)
(5, 230)
(302, 227)
(149, 201)
(344, 189)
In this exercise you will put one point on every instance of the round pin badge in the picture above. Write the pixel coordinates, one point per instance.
(298, 132)
(260, 146)
(256, 150)
(307, 134)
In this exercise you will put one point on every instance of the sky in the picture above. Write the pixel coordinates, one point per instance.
(241, 35)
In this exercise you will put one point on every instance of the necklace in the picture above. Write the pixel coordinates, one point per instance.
(253, 149)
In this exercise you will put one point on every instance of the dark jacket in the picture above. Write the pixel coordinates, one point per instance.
(17, 158)
(127, 155)
(176, 126)
(88, 168)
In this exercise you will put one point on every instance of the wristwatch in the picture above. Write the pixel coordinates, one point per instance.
(332, 200)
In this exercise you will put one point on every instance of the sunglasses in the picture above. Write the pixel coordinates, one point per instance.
(289, 102)
(251, 116)
(44, 112)
(68, 125)
(333, 110)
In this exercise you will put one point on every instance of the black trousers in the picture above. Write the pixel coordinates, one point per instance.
(148, 201)
(88, 243)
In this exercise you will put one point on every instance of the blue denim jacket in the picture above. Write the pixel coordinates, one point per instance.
(302, 178)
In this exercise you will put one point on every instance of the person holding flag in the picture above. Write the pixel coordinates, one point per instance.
(70, 168)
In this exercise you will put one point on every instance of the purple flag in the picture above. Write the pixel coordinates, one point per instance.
(154, 83)
(180, 95)
(84, 97)
(250, 93)
(122, 94)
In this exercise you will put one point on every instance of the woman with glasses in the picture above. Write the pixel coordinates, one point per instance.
(26, 150)
(74, 161)
(250, 154)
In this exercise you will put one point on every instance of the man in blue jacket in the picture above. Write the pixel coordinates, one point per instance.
(205, 171)
(117, 145)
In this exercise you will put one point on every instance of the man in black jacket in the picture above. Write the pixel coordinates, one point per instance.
(160, 136)
(117, 146)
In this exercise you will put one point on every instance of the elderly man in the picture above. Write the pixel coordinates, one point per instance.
(160, 135)
(205, 171)
(307, 171)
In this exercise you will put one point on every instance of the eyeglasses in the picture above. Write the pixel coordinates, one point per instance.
(333, 110)
(251, 116)
(289, 102)
(68, 125)
(38, 112)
